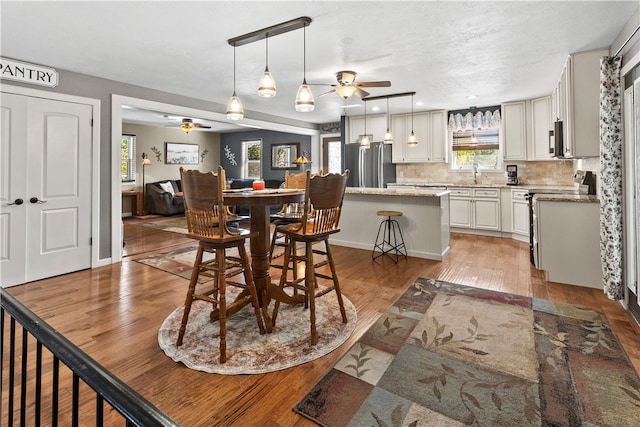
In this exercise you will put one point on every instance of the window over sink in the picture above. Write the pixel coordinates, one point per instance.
(475, 139)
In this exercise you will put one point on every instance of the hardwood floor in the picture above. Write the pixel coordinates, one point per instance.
(113, 313)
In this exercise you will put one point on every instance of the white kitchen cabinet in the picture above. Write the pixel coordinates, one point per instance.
(460, 207)
(541, 123)
(568, 241)
(475, 208)
(376, 127)
(520, 212)
(439, 136)
(430, 128)
(578, 103)
(514, 130)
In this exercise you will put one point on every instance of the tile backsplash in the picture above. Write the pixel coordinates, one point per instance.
(556, 172)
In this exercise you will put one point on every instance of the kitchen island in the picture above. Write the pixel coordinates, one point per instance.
(424, 221)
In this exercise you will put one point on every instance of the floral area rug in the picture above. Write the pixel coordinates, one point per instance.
(452, 355)
(248, 352)
(180, 261)
(177, 224)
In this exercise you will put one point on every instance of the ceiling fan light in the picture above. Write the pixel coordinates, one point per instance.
(267, 86)
(234, 108)
(345, 91)
(388, 137)
(187, 126)
(304, 98)
(412, 142)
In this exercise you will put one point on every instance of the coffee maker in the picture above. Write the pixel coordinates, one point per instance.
(512, 174)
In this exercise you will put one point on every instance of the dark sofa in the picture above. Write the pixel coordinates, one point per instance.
(162, 202)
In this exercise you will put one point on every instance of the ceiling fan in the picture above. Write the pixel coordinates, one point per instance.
(188, 125)
(348, 86)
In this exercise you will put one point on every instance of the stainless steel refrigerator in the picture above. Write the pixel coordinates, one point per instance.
(369, 167)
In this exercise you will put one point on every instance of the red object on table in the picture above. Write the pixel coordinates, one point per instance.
(258, 185)
(260, 244)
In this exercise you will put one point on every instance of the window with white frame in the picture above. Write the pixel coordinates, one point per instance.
(128, 158)
(475, 139)
(251, 158)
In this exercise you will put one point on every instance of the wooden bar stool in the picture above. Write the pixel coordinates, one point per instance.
(386, 245)
(322, 206)
(207, 223)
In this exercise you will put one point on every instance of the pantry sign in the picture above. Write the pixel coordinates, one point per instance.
(27, 73)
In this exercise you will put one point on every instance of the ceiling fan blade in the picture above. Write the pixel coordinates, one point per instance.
(385, 83)
(361, 93)
(326, 93)
(198, 125)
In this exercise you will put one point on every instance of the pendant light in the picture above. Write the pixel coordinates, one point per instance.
(267, 86)
(364, 141)
(412, 142)
(304, 97)
(234, 106)
(388, 137)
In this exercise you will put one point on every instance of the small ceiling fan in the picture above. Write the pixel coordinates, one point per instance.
(348, 86)
(188, 125)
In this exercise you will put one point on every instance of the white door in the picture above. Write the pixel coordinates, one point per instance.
(46, 148)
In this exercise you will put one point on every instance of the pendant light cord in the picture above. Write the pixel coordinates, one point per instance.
(411, 113)
(234, 70)
(304, 54)
(266, 39)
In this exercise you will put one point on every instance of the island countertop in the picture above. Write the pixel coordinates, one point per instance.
(414, 192)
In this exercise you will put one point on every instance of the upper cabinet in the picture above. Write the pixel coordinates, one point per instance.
(541, 123)
(376, 126)
(430, 128)
(576, 101)
(514, 130)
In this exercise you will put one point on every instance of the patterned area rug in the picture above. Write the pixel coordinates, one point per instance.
(180, 261)
(452, 355)
(248, 352)
(175, 224)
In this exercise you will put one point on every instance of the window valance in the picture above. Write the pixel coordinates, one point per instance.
(475, 119)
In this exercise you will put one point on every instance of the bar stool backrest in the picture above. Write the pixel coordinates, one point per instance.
(323, 202)
(203, 202)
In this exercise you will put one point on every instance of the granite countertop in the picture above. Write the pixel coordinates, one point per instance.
(539, 188)
(423, 192)
(580, 198)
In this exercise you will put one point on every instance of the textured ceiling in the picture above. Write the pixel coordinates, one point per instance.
(444, 51)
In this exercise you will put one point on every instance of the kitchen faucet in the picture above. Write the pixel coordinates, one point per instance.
(475, 172)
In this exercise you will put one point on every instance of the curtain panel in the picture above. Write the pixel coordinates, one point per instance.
(611, 237)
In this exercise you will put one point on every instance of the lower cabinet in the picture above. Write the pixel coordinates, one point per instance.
(475, 208)
(520, 212)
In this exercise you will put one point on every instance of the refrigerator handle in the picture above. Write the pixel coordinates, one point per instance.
(381, 165)
(361, 166)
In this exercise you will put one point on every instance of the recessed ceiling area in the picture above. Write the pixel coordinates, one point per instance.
(445, 51)
(162, 119)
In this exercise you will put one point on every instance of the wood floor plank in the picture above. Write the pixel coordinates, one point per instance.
(114, 313)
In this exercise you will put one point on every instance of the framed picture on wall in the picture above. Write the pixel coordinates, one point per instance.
(177, 153)
(283, 155)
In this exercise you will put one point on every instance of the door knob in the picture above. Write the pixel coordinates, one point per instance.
(16, 202)
(36, 200)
